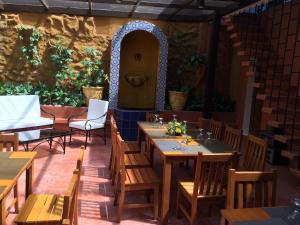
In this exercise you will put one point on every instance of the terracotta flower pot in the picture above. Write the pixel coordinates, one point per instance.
(177, 100)
(92, 93)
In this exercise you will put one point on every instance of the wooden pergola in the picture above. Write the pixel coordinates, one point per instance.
(178, 10)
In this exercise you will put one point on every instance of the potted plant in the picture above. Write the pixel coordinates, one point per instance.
(191, 64)
(93, 75)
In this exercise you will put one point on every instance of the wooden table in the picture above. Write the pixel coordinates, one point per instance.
(165, 144)
(12, 165)
(235, 216)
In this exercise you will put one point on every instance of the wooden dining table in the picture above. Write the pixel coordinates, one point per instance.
(171, 149)
(258, 216)
(12, 166)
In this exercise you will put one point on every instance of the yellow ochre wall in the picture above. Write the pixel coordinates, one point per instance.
(145, 45)
(78, 32)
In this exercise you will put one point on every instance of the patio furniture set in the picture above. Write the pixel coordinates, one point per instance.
(219, 177)
(22, 114)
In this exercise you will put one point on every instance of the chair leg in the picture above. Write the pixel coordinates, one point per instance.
(223, 221)
(155, 202)
(86, 138)
(89, 133)
(71, 130)
(16, 197)
(121, 205)
(194, 213)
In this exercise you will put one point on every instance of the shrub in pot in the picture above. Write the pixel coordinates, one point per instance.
(179, 92)
(92, 75)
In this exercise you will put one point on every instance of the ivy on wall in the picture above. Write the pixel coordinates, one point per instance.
(67, 89)
(30, 37)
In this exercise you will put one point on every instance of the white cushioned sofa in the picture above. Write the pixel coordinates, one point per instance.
(22, 112)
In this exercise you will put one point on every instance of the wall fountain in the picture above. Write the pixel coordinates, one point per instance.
(138, 74)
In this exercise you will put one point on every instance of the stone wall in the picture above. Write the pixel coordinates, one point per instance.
(76, 32)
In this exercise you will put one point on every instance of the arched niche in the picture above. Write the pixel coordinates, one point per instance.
(115, 61)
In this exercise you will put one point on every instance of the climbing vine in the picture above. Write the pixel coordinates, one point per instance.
(30, 36)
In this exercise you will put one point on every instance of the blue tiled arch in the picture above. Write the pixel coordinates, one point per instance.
(115, 61)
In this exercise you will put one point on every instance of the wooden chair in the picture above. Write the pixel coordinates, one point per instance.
(131, 160)
(80, 159)
(209, 183)
(132, 146)
(134, 179)
(233, 137)
(41, 209)
(8, 143)
(255, 154)
(251, 189)
(215, 127)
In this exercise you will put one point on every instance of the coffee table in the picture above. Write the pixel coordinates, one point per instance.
(40, 136)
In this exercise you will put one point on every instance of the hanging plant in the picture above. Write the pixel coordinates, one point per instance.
(30, 36)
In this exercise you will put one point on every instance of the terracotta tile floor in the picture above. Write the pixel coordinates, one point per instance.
(53, 171)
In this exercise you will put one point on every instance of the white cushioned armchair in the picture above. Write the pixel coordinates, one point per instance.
(96, 119)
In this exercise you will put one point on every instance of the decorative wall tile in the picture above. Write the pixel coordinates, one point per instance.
(115, 61)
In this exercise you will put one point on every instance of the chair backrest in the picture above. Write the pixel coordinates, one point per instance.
(113, 133)
(97, 110)
(9, 142)
(216, 128)
(120, 164)
(80, 159)
(71, 198)
(247, 189)
(233, 137)
(255, 155)
(19, 107)
(211, 174)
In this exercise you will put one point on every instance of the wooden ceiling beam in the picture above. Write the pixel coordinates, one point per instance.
(1, 5)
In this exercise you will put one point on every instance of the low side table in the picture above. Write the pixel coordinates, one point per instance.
(41, 136)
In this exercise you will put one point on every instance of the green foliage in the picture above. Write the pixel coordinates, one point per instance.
(61, 56)
(47, 95)
(93, 74)
(185, 58)
(220, 103)
(31, 37)
(68, 82)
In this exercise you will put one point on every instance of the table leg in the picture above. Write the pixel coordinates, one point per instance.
(29, 181)
(150, 150)
(166, 188)
(139, 137)
(3, 211)
(64, 145)
(50, 142)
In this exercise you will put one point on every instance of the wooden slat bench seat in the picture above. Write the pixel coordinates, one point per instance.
(43, 208)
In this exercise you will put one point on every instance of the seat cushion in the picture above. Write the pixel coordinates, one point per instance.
(81, 125)
(41, 208)
(25, 123)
